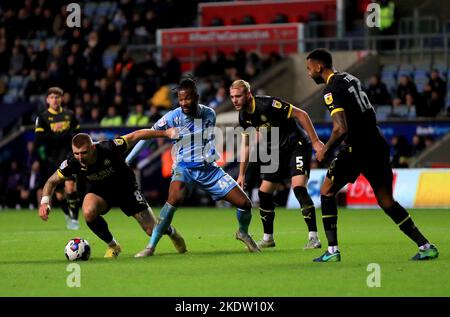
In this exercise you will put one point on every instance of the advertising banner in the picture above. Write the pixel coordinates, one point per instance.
(187, 44)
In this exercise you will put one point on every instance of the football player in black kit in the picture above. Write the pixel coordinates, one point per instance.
(54, 130)
(364, 151)
(109, 182)
(294, 152)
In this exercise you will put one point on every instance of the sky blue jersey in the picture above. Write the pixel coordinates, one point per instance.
(195, 147)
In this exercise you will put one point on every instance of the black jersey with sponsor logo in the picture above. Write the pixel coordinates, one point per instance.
(267, 112)
(343, 92)
(54, 130)
(109, 169)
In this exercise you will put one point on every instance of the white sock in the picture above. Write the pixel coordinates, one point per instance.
(333, 249)
(313, 235)
(268, 237)
(112, 243)
(424, 247)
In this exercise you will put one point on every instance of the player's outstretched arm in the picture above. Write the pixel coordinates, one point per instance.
(146, 134)
(47, 193)
(305, 121)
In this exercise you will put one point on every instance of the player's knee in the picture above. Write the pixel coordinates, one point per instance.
(266, 201)
(302, 195)
(246, 204)
(89, 213)
(148, 231)
(306, 203)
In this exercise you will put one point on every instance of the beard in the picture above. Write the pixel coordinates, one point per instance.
(318, 79)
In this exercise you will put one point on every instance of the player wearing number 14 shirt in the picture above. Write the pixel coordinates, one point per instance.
(364, 151)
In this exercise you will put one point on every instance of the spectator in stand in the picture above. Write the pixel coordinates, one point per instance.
(406, 92)
(94, 118)
(32, 182)
(437, 83)
(112, 119)
(377, 92)
(13, 186)
(418, 144)
(431, 103)
(401, 152)
(220, 97)
(138, 118)
(205, 67)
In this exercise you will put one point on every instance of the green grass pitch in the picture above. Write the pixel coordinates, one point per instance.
(32, 261)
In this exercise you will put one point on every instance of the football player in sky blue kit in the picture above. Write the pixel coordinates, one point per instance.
(194, 165)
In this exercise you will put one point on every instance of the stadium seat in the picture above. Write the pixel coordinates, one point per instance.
(383, 112)
(108, 58)
(89, 9)
(15, 82)
(401, 111)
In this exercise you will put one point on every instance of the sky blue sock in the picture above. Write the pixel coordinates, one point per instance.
(165, 218)
(244, 217)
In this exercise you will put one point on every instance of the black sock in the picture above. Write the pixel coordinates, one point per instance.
(65, 207)
(100, 228)
(267, 219)
(329, 219)
(73, 202)
(401, 217)
(169, 231)
(307, 205)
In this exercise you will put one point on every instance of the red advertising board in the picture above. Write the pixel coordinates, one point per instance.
(360, 193)
(188, 43)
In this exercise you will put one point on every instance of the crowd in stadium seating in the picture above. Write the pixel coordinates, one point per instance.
(409, 92)
(103, 82)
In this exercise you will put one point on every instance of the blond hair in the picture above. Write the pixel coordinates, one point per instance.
(240, 83)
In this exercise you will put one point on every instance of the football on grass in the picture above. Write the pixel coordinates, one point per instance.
(77, 249)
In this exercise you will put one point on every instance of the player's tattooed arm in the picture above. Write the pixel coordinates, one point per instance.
(338, 134)
(51, 184)
(47, 192)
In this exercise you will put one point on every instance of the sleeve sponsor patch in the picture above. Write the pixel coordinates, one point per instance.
(162, 122)
(118, 141)
(328, 98)
(63, 165)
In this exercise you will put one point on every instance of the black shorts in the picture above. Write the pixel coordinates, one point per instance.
(373, 163)
(296, 161)
(128, 198)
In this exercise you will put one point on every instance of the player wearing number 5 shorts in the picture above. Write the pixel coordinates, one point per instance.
(109, 182)
(294, 154)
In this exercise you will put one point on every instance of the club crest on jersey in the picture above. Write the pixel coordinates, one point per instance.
(328, 98)
(263, 118)
(118, 142)
(162, 122)
(106, 162)
(276, 104)
(63, 165)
